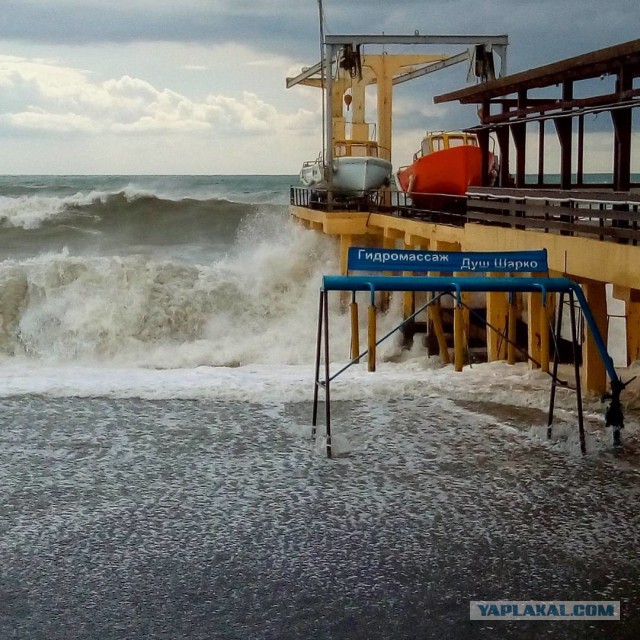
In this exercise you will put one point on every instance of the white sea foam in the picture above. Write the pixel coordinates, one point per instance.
(30, 212)
(257, 304)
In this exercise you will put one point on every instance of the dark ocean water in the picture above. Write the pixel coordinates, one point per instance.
(159, 480)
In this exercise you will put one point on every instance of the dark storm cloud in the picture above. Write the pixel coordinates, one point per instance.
(66, 22)
(540, 31)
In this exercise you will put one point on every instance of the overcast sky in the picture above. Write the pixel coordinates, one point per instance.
(198, 86)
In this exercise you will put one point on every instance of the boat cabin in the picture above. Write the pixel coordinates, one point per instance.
(347, 148)
(444, 140)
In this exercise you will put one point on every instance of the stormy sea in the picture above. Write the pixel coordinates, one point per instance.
(158, 474)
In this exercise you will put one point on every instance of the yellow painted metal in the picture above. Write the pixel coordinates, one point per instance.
(632, 316)
(435, 316)
(577, 258)
(594, 375)
(408, 297)
(534, 310)
(355, 330)
(345, 245)
(371, 338)
(497, 314)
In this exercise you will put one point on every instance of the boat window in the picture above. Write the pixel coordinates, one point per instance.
(456, 141)
(340, 150)
(438, 143)
(355, 148)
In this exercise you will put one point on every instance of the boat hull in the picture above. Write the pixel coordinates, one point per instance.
(351, 175)
(449, 171)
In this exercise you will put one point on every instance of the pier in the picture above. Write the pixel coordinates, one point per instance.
(590, 231)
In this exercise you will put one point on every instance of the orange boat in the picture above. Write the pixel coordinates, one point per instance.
(447, 163)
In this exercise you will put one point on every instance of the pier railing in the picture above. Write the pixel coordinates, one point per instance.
(601, 214)
(385, 201)
(606, 215)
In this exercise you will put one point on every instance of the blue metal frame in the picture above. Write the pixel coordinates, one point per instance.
(455, 286)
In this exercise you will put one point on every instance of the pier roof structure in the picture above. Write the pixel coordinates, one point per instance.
(507, 107)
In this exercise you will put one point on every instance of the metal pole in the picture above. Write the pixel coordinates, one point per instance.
(576, 366)
(316, 384)
(512, 329)
(327, 377)
(556, 360)
(371, 338)
(458, 337)
(328, 82)
(355, 332)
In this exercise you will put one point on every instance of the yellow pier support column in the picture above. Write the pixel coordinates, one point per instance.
(346, 242)
(461, 316)
(497, 316)
(594, 376)
(534, 339)
(355, 329)
(388, 242)
(631, 299)
(632, 316)
(408, 297)
(435, 315)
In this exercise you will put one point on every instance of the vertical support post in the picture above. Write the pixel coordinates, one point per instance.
(355, 329)
(436, 319)
(458, 336)
(483, 142)
(316, 385)
(502, 134)
(327, 79)
(497, 314)
(594, 374)
(622, 125)
(408, 297)
(580, 151)
(544, 337)
(576, 367)
(345, 245)
(556, 361)
(371, 338)
(327, 376)
(541, 153)
(533, 328)
(519, 135)
(632, 318)
(388, 242)
(512, 329)
(563, 128)
(408, 302)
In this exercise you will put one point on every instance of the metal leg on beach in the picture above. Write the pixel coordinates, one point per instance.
(327, 378)
(574, 340)
(316, 384)
(556, 359)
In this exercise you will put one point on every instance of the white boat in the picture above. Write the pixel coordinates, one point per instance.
(356, 168)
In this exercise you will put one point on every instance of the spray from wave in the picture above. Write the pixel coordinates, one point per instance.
(255, 305)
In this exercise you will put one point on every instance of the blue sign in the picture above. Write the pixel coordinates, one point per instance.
(369, 259)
